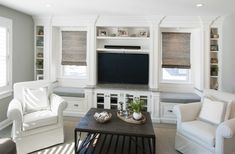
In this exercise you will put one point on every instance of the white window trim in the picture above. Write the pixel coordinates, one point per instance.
(7, 90)
(60, 73)
(161, 80)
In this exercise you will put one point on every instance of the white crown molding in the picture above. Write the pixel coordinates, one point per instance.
(180, 21)
(126, 20)
(74, 20)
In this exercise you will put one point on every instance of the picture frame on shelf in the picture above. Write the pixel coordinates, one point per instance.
(102, 32)
(122, 32)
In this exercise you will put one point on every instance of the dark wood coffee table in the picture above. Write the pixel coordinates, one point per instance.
(115, 136)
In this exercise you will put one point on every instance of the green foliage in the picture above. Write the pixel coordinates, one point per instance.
(136, 105)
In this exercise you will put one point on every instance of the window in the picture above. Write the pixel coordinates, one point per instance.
(74, 50)
(176, 57)
(5, 55)
(74, 71)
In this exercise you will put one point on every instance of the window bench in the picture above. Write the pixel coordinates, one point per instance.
(76, 98)
(169, 99)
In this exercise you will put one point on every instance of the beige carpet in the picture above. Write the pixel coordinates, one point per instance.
(165, 134)
(165, 137)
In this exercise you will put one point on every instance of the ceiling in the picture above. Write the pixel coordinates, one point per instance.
(121, 7)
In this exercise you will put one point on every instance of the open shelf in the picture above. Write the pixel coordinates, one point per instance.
(122, 38)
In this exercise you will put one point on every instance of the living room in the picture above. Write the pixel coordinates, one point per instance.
(176, 62)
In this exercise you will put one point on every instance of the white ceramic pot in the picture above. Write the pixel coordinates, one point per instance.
(137, 116)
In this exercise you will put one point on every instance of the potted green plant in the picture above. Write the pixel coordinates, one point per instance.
(136, 106)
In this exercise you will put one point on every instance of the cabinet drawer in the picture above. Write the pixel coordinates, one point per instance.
(75, 103)
(167, 110)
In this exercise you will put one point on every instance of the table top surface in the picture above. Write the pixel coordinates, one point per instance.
(115, 125)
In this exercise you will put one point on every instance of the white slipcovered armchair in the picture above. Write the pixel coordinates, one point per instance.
(195, 136)
(36, 126)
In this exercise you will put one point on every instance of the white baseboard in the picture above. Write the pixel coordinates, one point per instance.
(5, 123)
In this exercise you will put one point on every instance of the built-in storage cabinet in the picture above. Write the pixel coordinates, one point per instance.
(39, 53)
(214, 58)
(110, 100)
(123, 36)
(77, 106)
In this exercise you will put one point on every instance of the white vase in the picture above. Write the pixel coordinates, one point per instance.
(137, 116)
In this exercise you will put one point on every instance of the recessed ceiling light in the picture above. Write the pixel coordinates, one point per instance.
(48, 5)
(199, 5)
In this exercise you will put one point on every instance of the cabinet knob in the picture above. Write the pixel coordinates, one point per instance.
(76, 105)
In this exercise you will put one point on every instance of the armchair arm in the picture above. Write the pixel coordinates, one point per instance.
(58, 104)
(186, 112)
(225, 137)
(15, 113)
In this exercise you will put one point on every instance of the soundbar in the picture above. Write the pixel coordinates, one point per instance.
(121, 47)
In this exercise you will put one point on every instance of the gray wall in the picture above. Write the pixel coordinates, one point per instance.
(228, 56)
(23, 40)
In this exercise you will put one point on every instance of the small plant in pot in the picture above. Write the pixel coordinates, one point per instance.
(136, 106)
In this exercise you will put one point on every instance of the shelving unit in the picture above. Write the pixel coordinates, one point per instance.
(39, 53)
(123, 36)
(214, 58)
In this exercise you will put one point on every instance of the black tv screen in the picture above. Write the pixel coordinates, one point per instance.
(123, 68)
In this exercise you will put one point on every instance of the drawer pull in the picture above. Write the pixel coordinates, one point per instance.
(170, 111)
(76, 105)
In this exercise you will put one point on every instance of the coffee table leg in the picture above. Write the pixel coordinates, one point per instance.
(75, 142)
(154, 146)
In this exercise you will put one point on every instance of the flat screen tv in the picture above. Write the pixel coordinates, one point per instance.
(123, 68)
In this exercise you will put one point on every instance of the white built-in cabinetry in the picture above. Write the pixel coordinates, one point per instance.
(39, 53)
(77, 106)
(110, 99)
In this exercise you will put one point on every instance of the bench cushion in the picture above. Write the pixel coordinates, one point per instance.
(69, 91)
(179, 97)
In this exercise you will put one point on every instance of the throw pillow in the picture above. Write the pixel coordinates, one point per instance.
(213, 111)
(36, 99)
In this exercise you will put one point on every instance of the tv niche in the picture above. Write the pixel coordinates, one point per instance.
(123, 68)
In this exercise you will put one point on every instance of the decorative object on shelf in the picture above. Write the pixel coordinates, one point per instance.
(39, 64)
(40, 32)
(122, 32)
(214, 70)
(214, 33)
(40, 55)
(102, 117)
(143, 34)
(214, 60)
(103, 32)
(136, 106)
(214, 47)
(113, 35)
(130, 119)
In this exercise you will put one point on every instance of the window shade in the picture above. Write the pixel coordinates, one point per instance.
(74, 46)
(176, 50)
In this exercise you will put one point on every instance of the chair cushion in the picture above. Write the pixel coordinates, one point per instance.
(213, 111)
(35, 99)
(39, 119)
(200, 131)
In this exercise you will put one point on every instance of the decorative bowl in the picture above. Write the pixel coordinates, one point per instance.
(102, 117)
